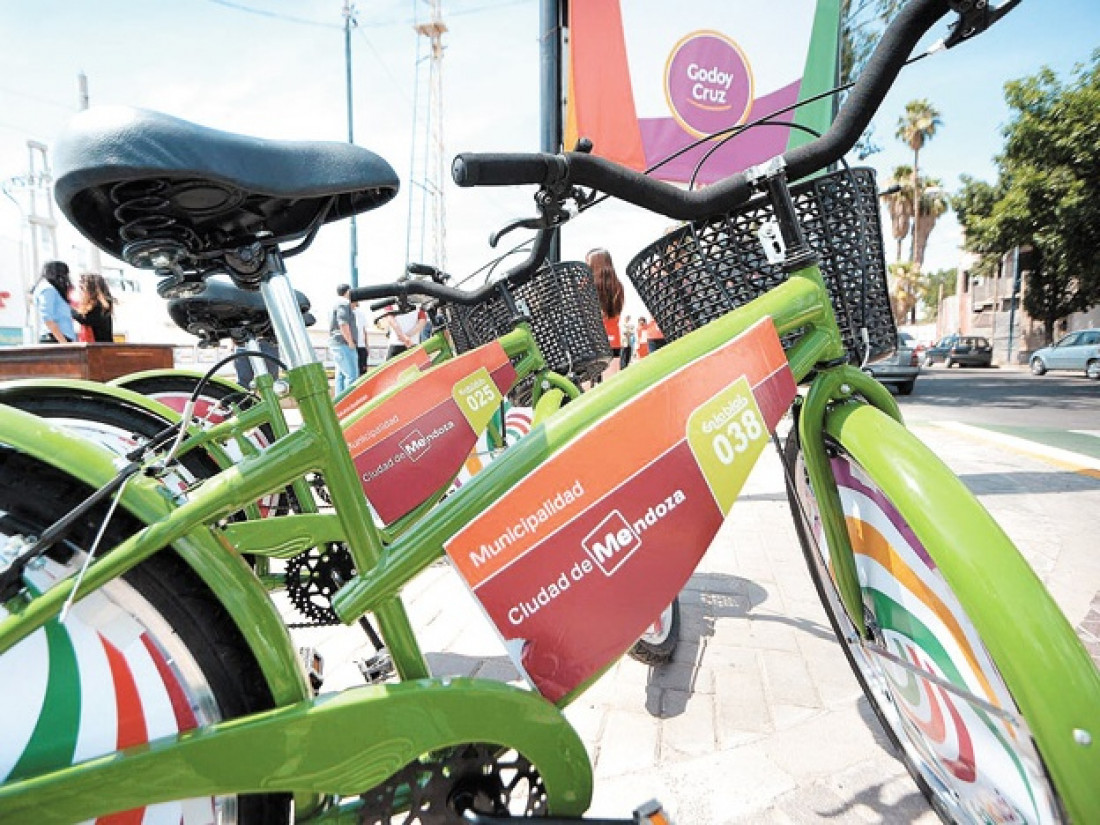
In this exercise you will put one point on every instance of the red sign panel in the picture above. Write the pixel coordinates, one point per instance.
(415, 441)
(574, 562)
(385, 377)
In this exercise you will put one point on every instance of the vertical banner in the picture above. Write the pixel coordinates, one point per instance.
(574, 562)
(646, 79)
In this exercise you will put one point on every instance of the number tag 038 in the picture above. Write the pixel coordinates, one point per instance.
(726, 435)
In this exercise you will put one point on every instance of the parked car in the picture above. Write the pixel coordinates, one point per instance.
(1077, 351)
(964, 350)
(902, 368)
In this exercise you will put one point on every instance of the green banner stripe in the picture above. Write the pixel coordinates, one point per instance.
(53, 742)
(819, 74)
(894, 616)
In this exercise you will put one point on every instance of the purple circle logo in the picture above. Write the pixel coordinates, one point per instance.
(708, 83)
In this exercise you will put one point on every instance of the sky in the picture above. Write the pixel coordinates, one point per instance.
(276, 69)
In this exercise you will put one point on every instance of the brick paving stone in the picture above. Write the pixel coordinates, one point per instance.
(687, 725)
(629, 743)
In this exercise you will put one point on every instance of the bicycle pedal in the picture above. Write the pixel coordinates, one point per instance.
(377, 668)
(314, 664)
(651, 813)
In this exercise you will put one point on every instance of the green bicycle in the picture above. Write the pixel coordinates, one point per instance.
(171, 677)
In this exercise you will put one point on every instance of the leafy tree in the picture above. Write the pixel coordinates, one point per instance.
(1048, 196)
(862, 22)
(935, 286)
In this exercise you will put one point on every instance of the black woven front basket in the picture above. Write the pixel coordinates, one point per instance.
(565, 319)
(703, 270)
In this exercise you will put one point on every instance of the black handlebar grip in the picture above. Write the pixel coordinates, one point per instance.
(421, 269)
(385, 303)
(507, 169)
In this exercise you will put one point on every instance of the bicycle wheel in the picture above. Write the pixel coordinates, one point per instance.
(658, 643)
(146, 656)
(922, 665)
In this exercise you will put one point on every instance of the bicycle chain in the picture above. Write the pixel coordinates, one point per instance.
(435, 790)
(313, 577)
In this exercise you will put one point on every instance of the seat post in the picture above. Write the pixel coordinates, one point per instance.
(295, 347)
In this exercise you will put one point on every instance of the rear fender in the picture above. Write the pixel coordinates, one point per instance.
(213, 560)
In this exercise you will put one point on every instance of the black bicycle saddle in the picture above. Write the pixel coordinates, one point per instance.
(128, 176)
(223, 310)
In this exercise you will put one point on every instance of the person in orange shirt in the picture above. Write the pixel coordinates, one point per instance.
(609, 289)
(655, 337)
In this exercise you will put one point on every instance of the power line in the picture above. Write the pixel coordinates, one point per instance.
(286, 18)
(35, 98)
(379, 24)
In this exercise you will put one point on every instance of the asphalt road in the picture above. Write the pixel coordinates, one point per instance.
(1004, 397)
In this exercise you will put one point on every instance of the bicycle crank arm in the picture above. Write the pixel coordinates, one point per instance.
(339, 744)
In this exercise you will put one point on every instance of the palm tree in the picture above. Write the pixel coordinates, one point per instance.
(899, 204)
(915, 128)
(933, 204)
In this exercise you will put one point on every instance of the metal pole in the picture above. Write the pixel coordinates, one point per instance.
(550, 97)
(1012, 300)
(349, 21)
(94, 260)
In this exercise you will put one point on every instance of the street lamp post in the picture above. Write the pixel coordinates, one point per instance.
(349, 21)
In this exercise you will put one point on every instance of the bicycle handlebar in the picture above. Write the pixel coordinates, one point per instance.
(897, 43)
(518, 275)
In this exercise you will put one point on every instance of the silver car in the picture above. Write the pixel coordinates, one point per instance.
(1078, 351)
(901, 369)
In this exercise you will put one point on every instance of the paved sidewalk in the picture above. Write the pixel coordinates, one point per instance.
(758, 718)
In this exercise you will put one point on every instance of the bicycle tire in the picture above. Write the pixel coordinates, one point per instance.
(658, 645)
(155, 642)
(956, 751)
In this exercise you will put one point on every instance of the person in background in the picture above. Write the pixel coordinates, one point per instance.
(51, 300)
(95, 309)
(362, 344)
(642, 346)
(342, 341)
(629, 334)
(402, 328)
(243, 366)
(655, 337)
(609, 290)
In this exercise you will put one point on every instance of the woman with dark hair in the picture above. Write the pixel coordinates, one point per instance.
(95, 308)
(51, 300)
(609, 289)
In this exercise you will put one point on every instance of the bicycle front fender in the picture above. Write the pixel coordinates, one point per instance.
(213, 560)
(1043, 663)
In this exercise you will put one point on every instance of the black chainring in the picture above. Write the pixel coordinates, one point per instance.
(436, 789)
(314, 576)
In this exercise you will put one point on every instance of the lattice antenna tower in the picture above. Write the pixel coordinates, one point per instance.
(427, 238)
